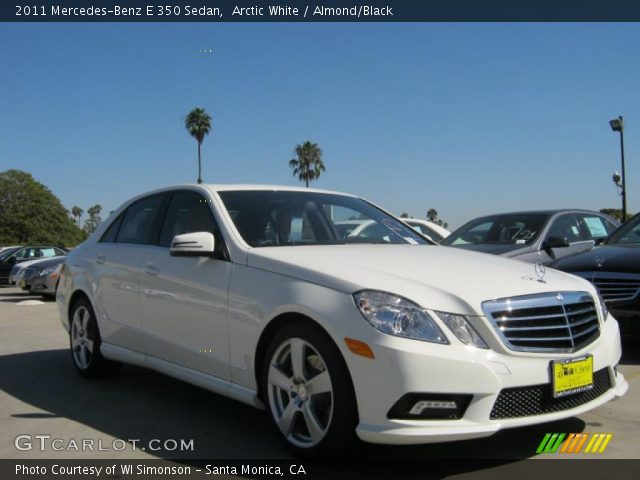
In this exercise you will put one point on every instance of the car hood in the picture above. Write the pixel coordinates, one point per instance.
(507, 250)
(42, 264)
(439, 278)
(608, 258)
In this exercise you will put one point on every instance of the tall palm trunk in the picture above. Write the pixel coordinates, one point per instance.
(199, 164)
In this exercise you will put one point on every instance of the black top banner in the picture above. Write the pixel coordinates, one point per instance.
(321, 11)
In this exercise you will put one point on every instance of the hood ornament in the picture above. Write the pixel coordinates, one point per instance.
(541, 271)
(599, 262)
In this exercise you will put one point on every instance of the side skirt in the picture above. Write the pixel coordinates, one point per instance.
(188, 375)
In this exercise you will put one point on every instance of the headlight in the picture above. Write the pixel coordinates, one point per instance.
(398, 316)
(462, 329)
(603, 306)
(48, 271)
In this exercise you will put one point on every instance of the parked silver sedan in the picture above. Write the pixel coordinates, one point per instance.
(536, 236)
(42, 277)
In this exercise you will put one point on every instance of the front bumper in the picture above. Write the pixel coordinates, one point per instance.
(41, 285)
(418, 367)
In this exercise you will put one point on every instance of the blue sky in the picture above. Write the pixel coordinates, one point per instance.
(469, 119)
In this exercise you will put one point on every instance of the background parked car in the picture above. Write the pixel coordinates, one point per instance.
(5, 268)
(18, 258)
(430, 229)
(614, 268)
(537, 236)
(42, 277)
(4, 249)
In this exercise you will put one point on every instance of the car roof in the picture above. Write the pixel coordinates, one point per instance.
(248, 186)
(216, 188)
(545, 212)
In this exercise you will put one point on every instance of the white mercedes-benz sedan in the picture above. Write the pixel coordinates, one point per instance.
(253, 293)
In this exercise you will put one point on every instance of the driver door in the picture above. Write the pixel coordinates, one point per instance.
(183, 300)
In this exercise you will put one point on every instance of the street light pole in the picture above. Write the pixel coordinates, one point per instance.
(617, 125)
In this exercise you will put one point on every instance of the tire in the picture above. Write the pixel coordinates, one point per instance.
(84, 343)
(310, 399)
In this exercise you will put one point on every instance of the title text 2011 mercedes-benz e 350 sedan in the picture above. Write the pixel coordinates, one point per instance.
(252, 292)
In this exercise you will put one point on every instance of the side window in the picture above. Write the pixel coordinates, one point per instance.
(59, 252)
(187, 212)
(47, 252)
(27, 254)
(566, 226)
(596, 227)
(138, 224)
(110, 235)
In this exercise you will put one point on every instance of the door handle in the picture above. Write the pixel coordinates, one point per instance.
(100, 259)
(151, 269)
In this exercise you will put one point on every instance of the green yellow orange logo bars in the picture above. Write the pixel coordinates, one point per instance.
(574, 443)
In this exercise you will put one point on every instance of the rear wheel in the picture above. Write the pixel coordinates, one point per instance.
(84, 338)
(309, 392)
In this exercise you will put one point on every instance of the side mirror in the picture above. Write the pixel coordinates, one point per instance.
(12, 260)
(601, 240)
(194, 244)
(555, 242)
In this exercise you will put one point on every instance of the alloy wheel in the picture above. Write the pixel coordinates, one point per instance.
(82, 343)
(300, 392)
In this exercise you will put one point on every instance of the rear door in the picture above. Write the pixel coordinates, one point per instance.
(183, 300)
(118, 259)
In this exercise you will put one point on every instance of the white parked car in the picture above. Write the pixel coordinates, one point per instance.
(430, 229)
(251, 292)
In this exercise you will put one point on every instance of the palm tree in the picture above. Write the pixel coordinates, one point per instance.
(198, 124)
(432, 215)
(94, 218)
(77, 212)
(308, 165)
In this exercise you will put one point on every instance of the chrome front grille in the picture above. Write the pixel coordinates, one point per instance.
(549, 322)
(617, 287)
(28, 273)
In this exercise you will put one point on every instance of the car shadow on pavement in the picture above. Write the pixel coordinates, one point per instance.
(142, 404)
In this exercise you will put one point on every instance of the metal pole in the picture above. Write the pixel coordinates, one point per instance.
(624, 177)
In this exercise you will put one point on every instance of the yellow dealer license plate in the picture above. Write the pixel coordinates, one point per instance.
(572, 376)
(23, 284)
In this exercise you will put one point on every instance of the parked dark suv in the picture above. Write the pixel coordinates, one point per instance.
(614, 268)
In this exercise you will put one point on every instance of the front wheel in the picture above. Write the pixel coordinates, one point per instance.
(84, 338)
(309, 392)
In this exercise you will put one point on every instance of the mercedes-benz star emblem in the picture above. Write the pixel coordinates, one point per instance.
(540, 272)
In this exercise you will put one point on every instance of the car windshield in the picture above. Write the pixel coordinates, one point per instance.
(268, 218)
(628, 233)
(510, 229)
(7, 253)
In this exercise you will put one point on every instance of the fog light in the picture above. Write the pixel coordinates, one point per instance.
(424, 404)
(430, 406)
